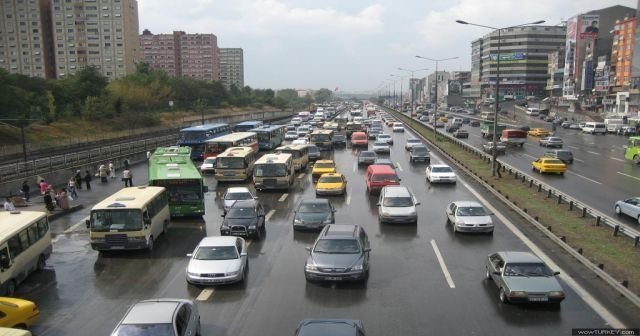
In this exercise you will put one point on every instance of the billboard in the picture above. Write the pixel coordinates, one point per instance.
(589, 25)
(570, 48)
(454, 87)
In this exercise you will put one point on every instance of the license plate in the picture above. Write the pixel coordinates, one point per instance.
(117, 247)
(228, 174)
(334, 278)
(540, 299)
(238, 233)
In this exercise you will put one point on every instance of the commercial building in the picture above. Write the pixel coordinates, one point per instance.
(523, 61)
(101, 34)
(232, 67)
(25, 38)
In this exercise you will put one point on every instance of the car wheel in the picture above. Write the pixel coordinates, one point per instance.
(503, 296)
(490, 233)
(150, 244)
(618, 210)
(20, 326)
(636, 159)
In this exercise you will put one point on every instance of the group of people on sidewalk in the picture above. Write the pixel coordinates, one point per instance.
(109, 171)
(55, 199)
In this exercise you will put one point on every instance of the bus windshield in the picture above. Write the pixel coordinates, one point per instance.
(264, 136)
(270, 170)
(230, 163)
(192, 136)
(119, 220)
(320, 137)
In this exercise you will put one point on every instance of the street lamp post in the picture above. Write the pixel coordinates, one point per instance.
(401, 80)
(412, 85)
(435, 133)
(494, 152)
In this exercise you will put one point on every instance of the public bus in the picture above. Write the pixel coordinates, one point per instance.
(274, 171)
(130, 219)
(270, 137)
(194, 137)
(171, 167)
(322, 139)
(300, 154)
(220, 144)
(246, 126)
(25, 245)
(235, 164)
(632, 149)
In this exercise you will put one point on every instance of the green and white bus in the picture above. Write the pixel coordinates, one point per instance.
(172, 168)
(25, 245)
(632, 149)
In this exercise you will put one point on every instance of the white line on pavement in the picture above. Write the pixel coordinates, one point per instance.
(633, 177)
(584, 177)
(578, 160)
(399, 166)
(75, 226)
(443, 266)
(283, 197)
(572, 147)
(355, 165)
(301, 175)
(269, 214)
(348, 201)
(580, 291)
(617, 159)
(205, 294)
(594, 153)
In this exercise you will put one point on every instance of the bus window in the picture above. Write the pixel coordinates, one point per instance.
(15, 248)
(33, 233)
(43, 227)
(5, 261)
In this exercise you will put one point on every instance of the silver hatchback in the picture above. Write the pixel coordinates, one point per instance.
(171, 317)
(397, 204)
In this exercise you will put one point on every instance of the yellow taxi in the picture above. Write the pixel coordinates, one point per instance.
(17, 313)
(443, 119)
(539, 132)
(549, 165)
(331, 184)
(323, 167)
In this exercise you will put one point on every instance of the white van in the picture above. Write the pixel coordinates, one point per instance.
(533, 111)
(613, 125)
(594, 128)
(319, 116)
(304, 115)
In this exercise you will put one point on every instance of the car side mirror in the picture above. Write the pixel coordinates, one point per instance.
(417, 203)
(189, 255)
(223, 215)
(497, 273)
(308, 248)
(367, 249)
(556, 273)
(87, 222)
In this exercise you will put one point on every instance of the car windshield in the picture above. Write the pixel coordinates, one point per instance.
(380, 143)
(116, 220)
(216, 253)
(313, 149)
(292, 133)
(384, 136)
(147, 329)
(367, 154)
(527, 270)
(241, 195)
(314, 207)
(419, 150)
(340, 246)
(330, 179)
(471, 211)
(413, 141)
(397, 202)
(339, 137)
(555, 139)
(441, 170)
(384, 177)
(210, 160)
(241, 213)
(324, 165)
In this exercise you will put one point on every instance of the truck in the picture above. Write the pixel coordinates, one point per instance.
(613, 125)
(486, 129)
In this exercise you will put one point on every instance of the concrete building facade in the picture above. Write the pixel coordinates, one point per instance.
(199, 56)
(622, 50)
(25, 38)
(232, 67)
(161, 51)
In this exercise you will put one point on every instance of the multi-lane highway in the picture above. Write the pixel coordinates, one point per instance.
(599, 176)
(410, 292)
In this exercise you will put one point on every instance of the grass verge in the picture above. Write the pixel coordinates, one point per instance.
(618, 255)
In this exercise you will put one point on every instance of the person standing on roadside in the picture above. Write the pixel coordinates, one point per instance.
(127, 177)
(72, 188)
(87, 179)
(78, 178)
(8, 205)
(48, 202)
(43, 186)
(112, 170)
(102, 172)
(25, 191)
(63, 199)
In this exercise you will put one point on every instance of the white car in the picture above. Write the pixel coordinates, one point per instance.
(218, 260)
(302, 141)
(236, 194)
(398, 127)
(412, 142)
(629, 207)
(302, 131)
(296, 121)
(291, 135)
(469, 216)
(385, 137)
(440, 174)
(381, 147)
(208, 165)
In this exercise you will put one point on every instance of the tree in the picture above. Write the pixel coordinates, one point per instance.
(322, 96)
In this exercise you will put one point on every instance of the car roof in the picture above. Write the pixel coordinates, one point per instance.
(467, 204)
(381, 169)
(238, 189)
(396, 191)
(333, 327)
(315, 201)
(218, 241)
(331, 175)
(439, 166)
(153, 311)
(340, 231)
(520, 257)
(325, 161)
(380, 161)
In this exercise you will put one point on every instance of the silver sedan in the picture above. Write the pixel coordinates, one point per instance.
(218, 260)
(629, 207)
(469, 216)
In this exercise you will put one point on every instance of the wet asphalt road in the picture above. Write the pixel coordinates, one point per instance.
(82, 293)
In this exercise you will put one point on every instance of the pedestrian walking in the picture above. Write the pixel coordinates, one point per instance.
(72, 188)
(44, 186)
(48, 202)
(87, 179)
(8, 205)
(112, 170)
(78, 178)
(127, 177)
(102, 173)
(498, 168)
(25, 191)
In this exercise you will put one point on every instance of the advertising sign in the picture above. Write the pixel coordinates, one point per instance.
(570, 48)
(589, 25)
(455, 87)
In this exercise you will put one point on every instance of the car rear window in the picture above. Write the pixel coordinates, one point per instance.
(384, 177)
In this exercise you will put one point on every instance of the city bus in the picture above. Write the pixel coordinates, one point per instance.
(322, 139)
(270, 137)
(171, 167)
(235, 164)
(299, 153)
(246, 126)
(274, 171)
(25, 245)
(195, 137)
(220, 144)
(632, 149)
(130, 219)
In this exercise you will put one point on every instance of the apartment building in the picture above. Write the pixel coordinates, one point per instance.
(622, 50)
(232, 67)
(161, 51)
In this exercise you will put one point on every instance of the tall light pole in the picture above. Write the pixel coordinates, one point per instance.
(494, 153)
(412, 85)
(435, 117)
(401, 80)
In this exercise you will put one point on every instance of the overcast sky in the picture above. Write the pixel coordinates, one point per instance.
(350, 44)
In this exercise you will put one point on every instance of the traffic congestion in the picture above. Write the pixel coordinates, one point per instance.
(304, 235)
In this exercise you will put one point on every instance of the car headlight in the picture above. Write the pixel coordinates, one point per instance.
(556, 293)
(357, 268)
(297, 221)
(224, 227)
(252, 227)
(232, 273)
(459, 222)
(193, 274)
(412, 213)
(137, 238)
(518, 293)
(310, 267)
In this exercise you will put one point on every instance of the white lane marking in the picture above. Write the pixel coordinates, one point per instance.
(578, 160)
(301, 175)
(443, 266)
(582, 293)
(572, 147)
(584, 177)
(530, 156)
(205, 294)
(594, 153)
(75, 226)
(617, 159)
(633, 177)
(399, 166)
(355, 165)
(269, 214)
(348, 201)
(283, 197)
